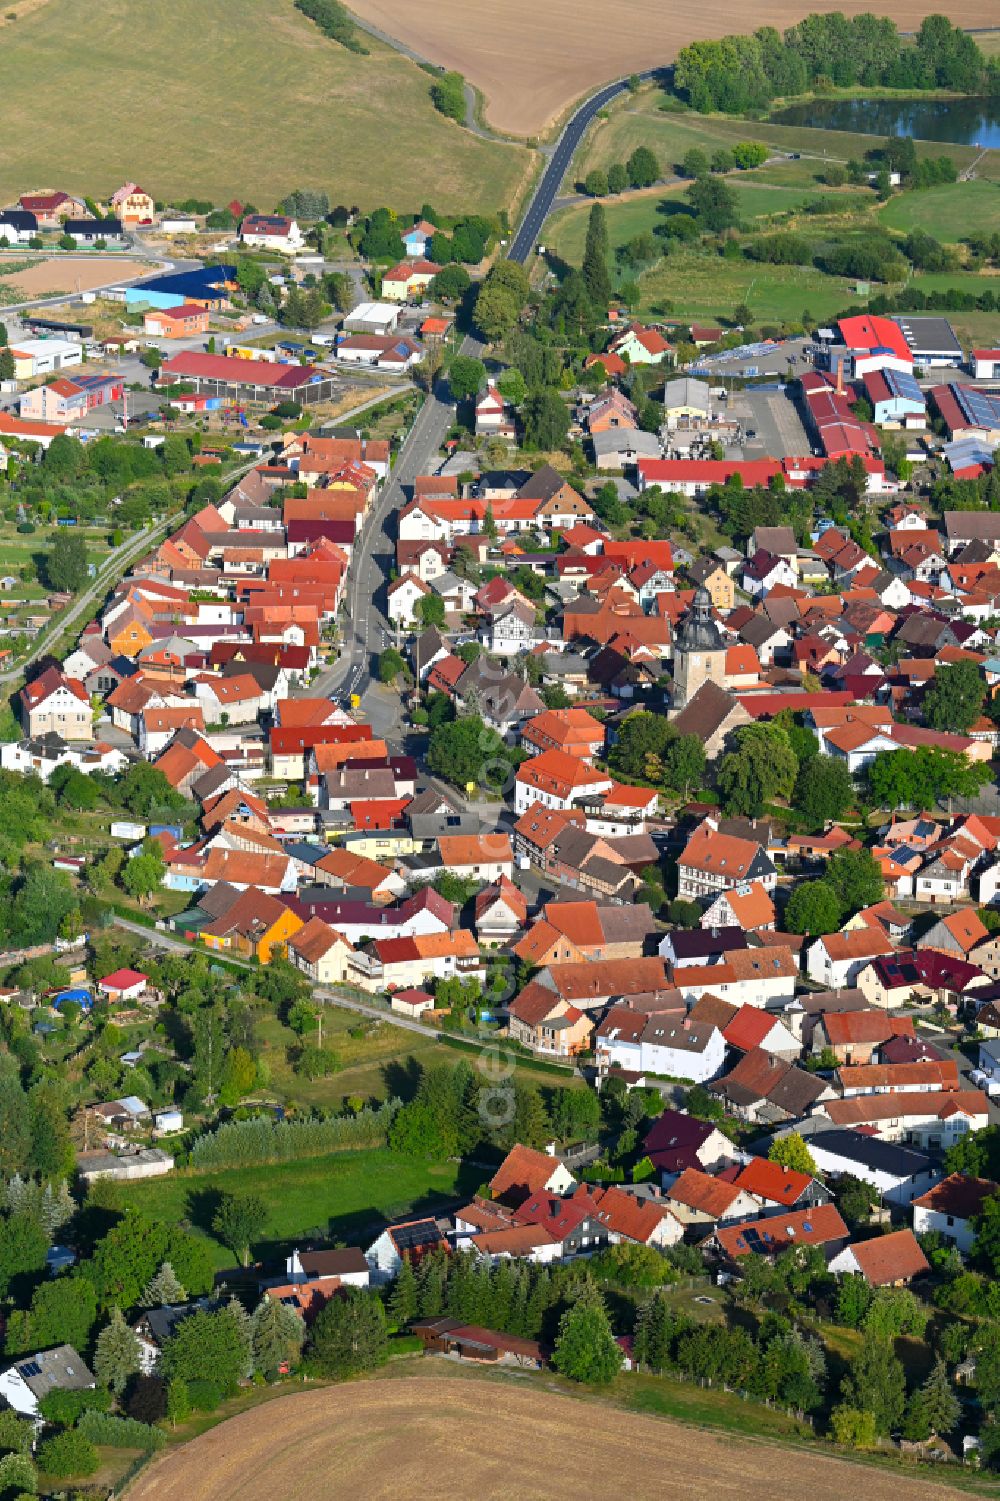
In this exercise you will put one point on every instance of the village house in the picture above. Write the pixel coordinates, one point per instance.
(712, 862)
(547, 1024)
(891, 1260)
(55, 704)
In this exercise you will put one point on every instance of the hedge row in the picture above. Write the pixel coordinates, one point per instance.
(255, 1142)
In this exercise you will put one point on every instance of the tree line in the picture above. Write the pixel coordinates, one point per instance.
(742, 73)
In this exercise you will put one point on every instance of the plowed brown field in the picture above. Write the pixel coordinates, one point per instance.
(430, 1437)
(532, 58)
(76, 274)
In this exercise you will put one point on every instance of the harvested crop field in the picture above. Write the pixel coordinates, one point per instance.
(430, 1436)
(72, 274)
(531, 60)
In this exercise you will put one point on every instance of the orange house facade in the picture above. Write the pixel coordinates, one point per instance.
(262, 945)
(182, 322)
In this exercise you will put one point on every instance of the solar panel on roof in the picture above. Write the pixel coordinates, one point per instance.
(902, 383)
(29, 1368)
(977, 407)
(409, 1236)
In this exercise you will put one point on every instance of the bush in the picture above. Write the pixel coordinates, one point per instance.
(334, 21)
(448, 96)
(119, 1433)
(69, 1453)
(66, 1407)
(204, 1396)
(147, 1399)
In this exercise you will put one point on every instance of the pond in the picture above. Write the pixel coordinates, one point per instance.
(962, 122)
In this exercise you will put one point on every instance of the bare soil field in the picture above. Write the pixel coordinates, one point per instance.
(72, 274)
(531, 59)
(430, 1436)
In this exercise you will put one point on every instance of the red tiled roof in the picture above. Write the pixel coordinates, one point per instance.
(769, 1180)
(806, 1227)
(886, 1259)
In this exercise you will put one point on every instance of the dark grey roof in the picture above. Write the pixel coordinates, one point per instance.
(542, 485)
(699, 631)
(796, 1091)
(92, 227)
(333, 1263)
(218, 899)
(818, 1003)
(872, 1152)
(161, 1322)
(701, 943)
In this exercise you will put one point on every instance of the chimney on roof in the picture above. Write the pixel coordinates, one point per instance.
(840, 377)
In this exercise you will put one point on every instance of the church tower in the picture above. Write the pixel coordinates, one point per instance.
(699, 652)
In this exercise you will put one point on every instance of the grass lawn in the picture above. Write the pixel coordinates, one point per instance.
(948, 212)
(965, 281)
(339, 1196)
(381, 1060)
(703, 287)
(566, 232)
(977, 330)
(255, 101)
(667, 1397)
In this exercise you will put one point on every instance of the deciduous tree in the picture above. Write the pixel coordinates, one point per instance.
(585, 1348)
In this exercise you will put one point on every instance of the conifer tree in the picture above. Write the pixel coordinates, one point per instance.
(404, 1296)
(596, 276)
(277, 1334)
(116, 1357)
(164, 1288)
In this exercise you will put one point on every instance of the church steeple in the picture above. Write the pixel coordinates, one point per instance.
(699, 651)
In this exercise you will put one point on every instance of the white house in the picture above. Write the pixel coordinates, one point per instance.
(491, 412)
(403, 595)
(835, 960)
(659, 1043)
(347, 1264)
(272, 232)
(24, 1384)
(410, 1238)
(899, 1173)
(951, 1207)
(931, 1118)
(556, 780)
(510, 631)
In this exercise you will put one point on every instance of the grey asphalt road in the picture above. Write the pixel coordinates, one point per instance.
(540, 207)
(368, 631)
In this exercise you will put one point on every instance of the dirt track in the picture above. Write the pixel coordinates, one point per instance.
(434, 1437)
(532, 58)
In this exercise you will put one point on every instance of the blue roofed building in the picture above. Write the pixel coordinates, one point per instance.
(208, 285)
(895, 398)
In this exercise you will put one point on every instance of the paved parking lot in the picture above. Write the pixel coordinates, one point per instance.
(790, 353)
(775, 420)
